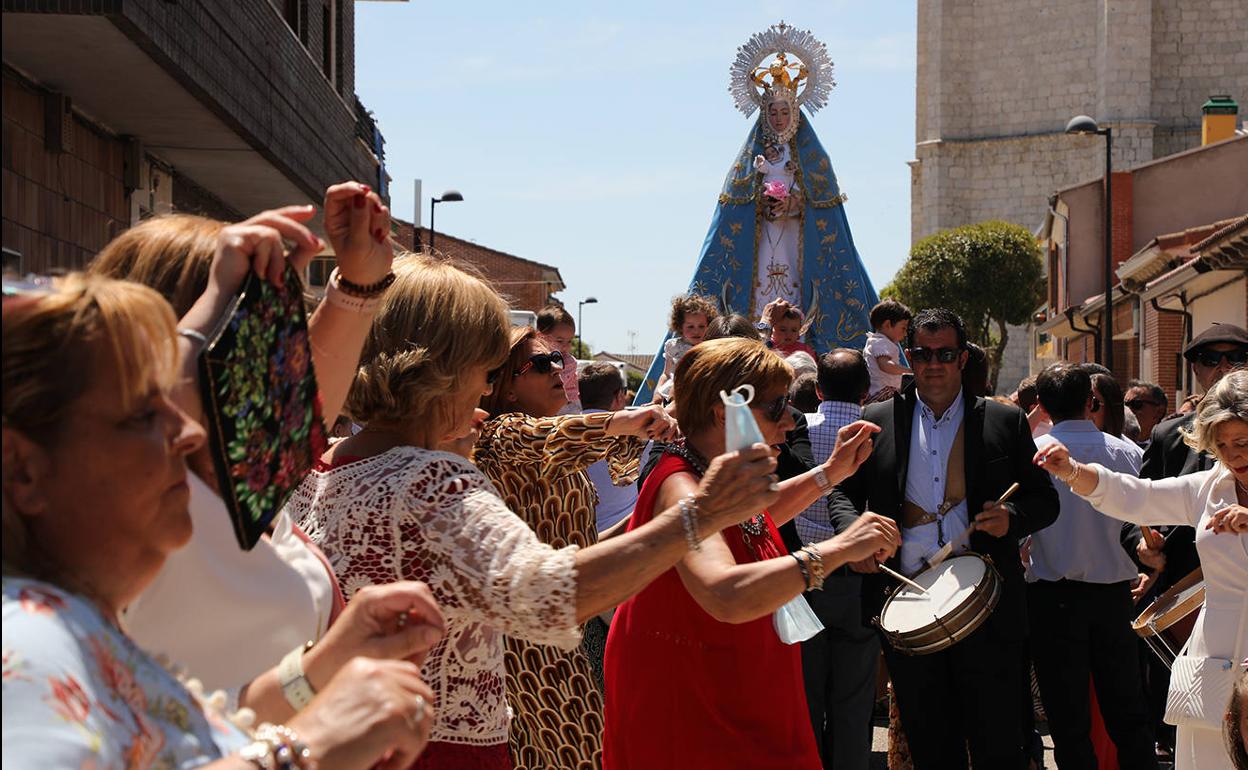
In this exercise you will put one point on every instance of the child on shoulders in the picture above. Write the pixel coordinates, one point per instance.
(890, 320)
(691, 314)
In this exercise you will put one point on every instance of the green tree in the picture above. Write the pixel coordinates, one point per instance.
(990, 274)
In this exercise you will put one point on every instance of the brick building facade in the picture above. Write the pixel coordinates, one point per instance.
(524, 283)
(1180, 228)
(116, 109)
(997, 82)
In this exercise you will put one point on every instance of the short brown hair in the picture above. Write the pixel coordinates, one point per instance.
(599, 383)
(170, 253)
(434, 323)
(554, 315)
(889, 310)
(690, 304)
(723, 364)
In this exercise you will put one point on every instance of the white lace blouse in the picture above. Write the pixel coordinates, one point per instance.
(417, 514)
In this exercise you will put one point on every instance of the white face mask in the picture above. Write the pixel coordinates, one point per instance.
(795, 621)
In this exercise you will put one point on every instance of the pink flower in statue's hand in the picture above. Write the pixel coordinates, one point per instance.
(776, 189)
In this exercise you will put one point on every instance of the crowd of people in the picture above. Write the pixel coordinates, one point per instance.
(501, 564)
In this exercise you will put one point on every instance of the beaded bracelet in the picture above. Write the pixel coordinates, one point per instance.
(277, 747)
(688, 507)
(804, 569)
(363, 291)
(817, 575)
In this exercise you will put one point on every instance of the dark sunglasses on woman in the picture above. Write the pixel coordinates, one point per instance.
(542, 363)
(774, 410)
(925, 355)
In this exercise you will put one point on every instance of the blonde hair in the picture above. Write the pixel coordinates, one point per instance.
(434, 323)
(170, 253)
(723, 364)
(51, 344)
(1227, 400)
(496, 403)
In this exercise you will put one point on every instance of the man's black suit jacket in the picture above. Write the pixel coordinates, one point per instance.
(1168, 455)
(999, 451)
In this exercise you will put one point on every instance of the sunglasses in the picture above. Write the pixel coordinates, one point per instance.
(492, 375)
(1096, 405)
(542, 363)
(774, 410)
(1136, 404)
(943, 355)
(1211, 358)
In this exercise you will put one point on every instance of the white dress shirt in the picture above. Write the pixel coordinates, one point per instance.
(815, 523)
(931, 440)
(1084, 544)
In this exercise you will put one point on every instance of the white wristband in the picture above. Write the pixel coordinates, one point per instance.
(339, 298)
(295, 685)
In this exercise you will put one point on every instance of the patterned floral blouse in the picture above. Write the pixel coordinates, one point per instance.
(80, 695)
(538, 465)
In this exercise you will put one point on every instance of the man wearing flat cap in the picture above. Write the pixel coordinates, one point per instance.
(1212, 353)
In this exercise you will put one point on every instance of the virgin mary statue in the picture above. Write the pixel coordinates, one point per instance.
(779, 230)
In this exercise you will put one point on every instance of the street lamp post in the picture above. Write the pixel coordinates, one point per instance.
(450, 196)
(1082, 124)
(580, 330)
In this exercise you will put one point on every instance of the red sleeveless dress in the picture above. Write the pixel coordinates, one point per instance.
(684, 690)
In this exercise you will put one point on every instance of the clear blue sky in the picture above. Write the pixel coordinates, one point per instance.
(596, 138)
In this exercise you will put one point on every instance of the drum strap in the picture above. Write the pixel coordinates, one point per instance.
(955, 489)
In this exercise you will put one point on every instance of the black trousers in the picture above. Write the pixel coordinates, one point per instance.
(965, 697)
(839, 665)
(1082, 631)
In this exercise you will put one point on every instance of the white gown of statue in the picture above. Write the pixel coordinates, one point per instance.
(1221, 631)
(778, 245)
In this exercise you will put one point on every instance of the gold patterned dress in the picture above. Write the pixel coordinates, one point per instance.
(538, 466)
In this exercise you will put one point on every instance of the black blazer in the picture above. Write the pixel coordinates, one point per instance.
(999, 451)
(1168, 456)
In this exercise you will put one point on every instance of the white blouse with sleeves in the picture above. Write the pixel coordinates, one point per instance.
(1221, 631)
(417, 514)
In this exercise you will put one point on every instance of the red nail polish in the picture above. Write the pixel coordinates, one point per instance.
(380, 235)
(367, 189)
(359, 201)
(377, 207)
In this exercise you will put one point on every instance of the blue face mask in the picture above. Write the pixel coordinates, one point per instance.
(795, 621)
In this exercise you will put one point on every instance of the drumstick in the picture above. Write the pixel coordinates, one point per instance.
(902, 578)
(947, 548)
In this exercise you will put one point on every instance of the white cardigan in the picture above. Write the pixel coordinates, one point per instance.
(1221, 631)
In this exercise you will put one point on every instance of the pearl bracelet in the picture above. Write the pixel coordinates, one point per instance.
(277, 747)
(689, 507)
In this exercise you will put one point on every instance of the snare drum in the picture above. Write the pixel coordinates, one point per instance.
(961, 593)
(1167, 623)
